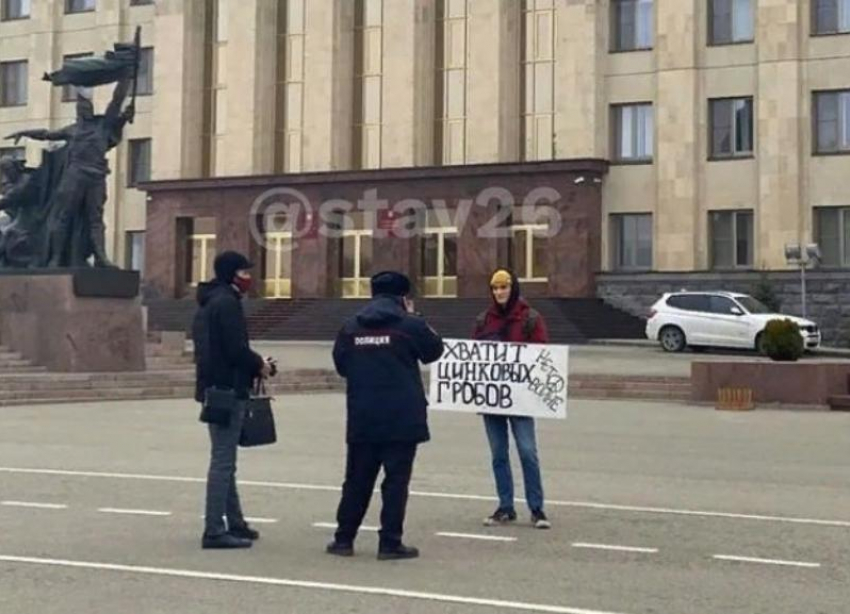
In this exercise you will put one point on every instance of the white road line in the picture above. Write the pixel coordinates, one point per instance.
(305, 584)
(117, 510)
(260, 520)
(492, 538)
(613, 547)
(747, 559)
(41, 506)
(439, 495)
(332, 525)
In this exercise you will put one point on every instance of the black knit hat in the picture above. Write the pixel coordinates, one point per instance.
(390, 282)
(227, 263)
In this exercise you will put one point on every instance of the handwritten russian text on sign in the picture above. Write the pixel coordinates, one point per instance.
(493, 377)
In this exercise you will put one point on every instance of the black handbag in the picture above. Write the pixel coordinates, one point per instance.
(218, 406)
(258, 428)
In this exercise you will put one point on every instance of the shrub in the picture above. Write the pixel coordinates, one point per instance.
(781, 340)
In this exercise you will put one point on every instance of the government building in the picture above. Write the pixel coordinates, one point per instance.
(675, 141)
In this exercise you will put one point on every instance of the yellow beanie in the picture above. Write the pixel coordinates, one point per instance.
(500, 278)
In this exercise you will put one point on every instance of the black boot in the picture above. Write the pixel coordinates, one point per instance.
(395, 553)
(243, 531)
(225, 541)
(340, 548)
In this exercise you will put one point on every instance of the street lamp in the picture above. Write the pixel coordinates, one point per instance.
(802, 256)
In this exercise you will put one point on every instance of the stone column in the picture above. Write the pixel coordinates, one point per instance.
(493, 81)
(328, 85)
(676, 117)
(407, 133)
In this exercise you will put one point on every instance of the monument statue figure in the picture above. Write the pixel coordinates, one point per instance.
(65, 226)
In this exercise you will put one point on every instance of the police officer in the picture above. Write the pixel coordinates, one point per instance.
(378, 352)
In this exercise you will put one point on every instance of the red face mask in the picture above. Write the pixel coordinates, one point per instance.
(243, 284)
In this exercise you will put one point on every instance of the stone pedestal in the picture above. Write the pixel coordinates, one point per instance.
(74, 320)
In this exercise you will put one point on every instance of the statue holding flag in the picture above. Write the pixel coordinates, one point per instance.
(72, 179)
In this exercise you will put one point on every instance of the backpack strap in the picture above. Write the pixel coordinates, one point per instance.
(530, 323)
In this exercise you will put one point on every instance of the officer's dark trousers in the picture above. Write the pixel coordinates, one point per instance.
(361, 471)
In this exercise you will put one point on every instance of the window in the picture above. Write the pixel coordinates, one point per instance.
(79, 6)
(290, 87)
(689, 302)
(721, 304)
(631, 241)
(832, 122)
(145, 77)
(135, 251)
(69, 92)
(15, 9)
(355, 261)
(13, 83)
(633, 132)
(200, 250)
(731, 127)
(368, 83)
(731, 239)
(16, 153)
(632, 27)
(139, 162)
(140, 2)
(528, 251)
(538, 69)
(832, 234)
(439, 253)
(831, 16)
(450, 86)
(730, 21)
(277, 256)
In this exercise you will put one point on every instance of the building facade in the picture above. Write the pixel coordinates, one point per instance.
(726, 122)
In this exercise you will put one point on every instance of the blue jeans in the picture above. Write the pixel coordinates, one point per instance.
(526, 443)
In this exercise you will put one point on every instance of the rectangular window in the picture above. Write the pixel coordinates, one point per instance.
(69, 92)
(290, 86)
(135, 251)
(145, 78)
(832, 234)
(13, 83)
(139, 162)
(731, 239)
(632, 25)
(368, 83)
(538, 81)
(730, 21)
(633, 132)
(15, 9)
(731, 127)
(450, 85)
(631, 241)
(200, 250)
(529, 251)
(830, 16)
(79, 6)
(832, 121)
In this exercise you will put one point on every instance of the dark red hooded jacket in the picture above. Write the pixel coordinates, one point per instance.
(516, 321)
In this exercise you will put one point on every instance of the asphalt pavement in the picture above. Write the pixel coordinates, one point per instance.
(657, 508)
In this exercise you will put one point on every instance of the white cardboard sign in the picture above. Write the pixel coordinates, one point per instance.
(495, 377)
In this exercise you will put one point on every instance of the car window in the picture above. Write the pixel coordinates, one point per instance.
(752, 305)
(689, 302)
(721, 304)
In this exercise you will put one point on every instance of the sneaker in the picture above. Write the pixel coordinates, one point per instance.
(225, 541)
(539, 520)
(340, 549)
(243, 531)
(397, 553)
(500, 516)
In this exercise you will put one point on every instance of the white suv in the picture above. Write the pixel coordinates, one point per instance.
(716, 319)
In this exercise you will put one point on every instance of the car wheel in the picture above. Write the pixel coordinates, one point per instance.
(760, 344)
(672, 339)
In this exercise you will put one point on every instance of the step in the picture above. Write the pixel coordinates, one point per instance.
(28, 369)
(634, 395)
(839, 402)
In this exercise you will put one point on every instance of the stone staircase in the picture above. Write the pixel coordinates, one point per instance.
(170, 374)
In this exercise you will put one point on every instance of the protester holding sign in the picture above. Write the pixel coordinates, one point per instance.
(378, 352)
(510, 318)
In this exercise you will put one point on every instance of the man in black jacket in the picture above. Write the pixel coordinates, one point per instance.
(225, 360)
(378, 352)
